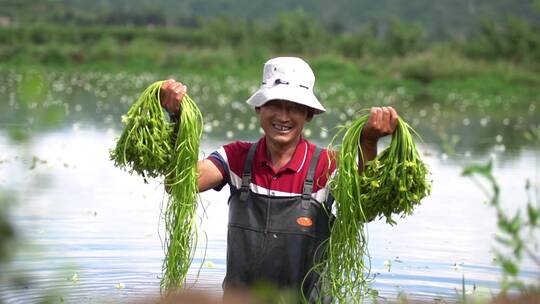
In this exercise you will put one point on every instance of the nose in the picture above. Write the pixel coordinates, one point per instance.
(282, 112)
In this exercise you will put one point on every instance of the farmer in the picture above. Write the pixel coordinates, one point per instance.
(279, 192)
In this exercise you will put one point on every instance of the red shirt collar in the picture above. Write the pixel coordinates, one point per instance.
(297, 161)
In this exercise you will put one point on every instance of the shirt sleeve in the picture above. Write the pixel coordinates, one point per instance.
(219, 158)
(229, 159)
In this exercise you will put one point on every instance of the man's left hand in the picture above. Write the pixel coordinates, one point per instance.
(382, 121)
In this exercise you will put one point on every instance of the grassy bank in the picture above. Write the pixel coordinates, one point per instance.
(433, 75)
(502, 61)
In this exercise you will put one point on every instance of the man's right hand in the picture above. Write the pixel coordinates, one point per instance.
(171, 94)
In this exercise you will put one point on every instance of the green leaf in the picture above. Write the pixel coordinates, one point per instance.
(509, 267)
(510, 226)
(515, 224)
(504, 241)
(518, 249)
(504, 223)
(484, 170)
(533, 214)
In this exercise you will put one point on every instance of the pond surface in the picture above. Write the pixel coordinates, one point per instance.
(90, 232)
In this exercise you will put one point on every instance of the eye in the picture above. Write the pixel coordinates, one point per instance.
(298, 109)
(272, 105)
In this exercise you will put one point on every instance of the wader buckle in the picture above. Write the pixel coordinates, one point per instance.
(244, 193)
(306, 199)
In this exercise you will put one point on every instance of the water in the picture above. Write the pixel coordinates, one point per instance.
(90, 232)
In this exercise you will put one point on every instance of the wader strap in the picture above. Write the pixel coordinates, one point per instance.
(246, 176)
(308, 182)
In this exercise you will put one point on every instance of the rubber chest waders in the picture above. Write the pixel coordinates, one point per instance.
(275, 240)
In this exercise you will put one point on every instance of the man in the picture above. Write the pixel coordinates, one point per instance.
(278, 209)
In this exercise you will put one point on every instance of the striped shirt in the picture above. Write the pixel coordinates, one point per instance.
(286, 182)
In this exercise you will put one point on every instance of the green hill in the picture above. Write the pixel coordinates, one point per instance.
(440, 18)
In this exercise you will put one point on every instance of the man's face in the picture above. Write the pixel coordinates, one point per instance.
(283, 121)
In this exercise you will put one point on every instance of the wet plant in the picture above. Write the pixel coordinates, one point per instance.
(517, 231)
(180, 214)
(146, 143)
(391, 184)
(151, 146)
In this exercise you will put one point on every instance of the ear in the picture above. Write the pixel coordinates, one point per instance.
(257, 110)
(310, 115)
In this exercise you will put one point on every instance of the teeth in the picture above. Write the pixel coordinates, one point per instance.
(281, 127)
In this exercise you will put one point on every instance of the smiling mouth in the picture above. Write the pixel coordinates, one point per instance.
(281, 128)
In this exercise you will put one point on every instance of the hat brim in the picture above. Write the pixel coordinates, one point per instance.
(286, 92)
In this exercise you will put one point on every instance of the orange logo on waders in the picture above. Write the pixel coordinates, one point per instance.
(304, 221)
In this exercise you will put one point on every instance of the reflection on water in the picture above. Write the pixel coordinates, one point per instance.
(91, 232)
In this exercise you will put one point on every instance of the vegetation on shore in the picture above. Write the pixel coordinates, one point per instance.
(501, 60)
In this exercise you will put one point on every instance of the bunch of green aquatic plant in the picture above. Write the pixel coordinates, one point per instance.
(180, 215)
(395, 181)
(517, 233)
(145, 145)
(391, 184)
(152, 146)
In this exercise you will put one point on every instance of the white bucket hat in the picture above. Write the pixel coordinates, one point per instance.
(287, 78)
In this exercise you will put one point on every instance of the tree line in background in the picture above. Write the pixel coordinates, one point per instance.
(441, 18)
(514, 39)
